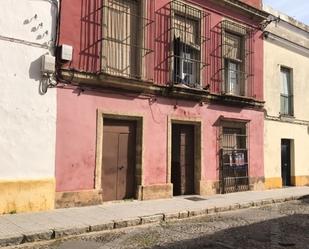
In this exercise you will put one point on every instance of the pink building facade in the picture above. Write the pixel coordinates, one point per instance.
(161, 98)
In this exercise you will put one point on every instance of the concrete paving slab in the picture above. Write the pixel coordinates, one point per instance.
(29, 227)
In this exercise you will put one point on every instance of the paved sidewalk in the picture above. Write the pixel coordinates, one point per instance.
(28, 227)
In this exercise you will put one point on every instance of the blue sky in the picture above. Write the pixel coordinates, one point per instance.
(299, 9)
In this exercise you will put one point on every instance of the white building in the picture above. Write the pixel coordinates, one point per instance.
(27, 116)
(286, 91)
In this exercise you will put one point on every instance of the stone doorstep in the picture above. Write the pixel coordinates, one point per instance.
(16, 239)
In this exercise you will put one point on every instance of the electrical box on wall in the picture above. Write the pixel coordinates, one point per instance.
(66, 52)
(48, 64)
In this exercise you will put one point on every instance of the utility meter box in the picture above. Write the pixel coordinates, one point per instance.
(66, 52)
(48, 64)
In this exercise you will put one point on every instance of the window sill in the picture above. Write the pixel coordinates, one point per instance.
(238, 100)
(184, 86)
(125, 78)
(286, 117)
(236, 95)
(123, 84)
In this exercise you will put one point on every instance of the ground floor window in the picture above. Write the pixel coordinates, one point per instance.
(233, 158)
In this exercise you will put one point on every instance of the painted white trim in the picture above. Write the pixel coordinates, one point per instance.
(286, 43)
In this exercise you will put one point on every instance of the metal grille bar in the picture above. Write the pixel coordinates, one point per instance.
(234, 175)
(126, 46)
(232, 42)
(189, 34)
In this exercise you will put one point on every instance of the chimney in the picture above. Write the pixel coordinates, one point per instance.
(255, 3)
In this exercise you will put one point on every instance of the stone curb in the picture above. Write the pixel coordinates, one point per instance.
(13, 239)
(127, 222)
(102, 226)
(63, 232)
(44, 235)
(38, 235)
(152, 219)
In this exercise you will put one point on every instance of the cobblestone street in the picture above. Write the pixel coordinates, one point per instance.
(275, 226)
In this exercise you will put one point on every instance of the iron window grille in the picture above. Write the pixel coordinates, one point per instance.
(234, 176)
(126, 44)
(232, 59)
(189, 36)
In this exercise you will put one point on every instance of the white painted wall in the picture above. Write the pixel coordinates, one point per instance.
(27, 118)
(286, 53)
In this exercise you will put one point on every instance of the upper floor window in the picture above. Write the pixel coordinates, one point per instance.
(187, 27)
(286, 94)
(124, 30)
(237, 63)
(233, 62)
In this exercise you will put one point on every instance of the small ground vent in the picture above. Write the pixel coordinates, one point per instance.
(194, 198)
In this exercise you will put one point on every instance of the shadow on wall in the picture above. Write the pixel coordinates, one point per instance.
(36, 75)
(103, 92)
(162, 44)
(35, 69)
(54, 14)
(220, 108)
(90, 36)
(35, 66)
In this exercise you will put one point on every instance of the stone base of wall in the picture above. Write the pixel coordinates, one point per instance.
(257, 183)
(276, 182)
(209, 188)
(26, 195)
(78, 198)
(94, 197)
(273, 182)
(300, 180)
(150, 192)
(212, 187)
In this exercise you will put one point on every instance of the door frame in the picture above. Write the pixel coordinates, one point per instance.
(198, 148)
(139, 146)
(292, 169)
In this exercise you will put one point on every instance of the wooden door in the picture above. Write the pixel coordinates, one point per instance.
(183, 159)
(119, 153)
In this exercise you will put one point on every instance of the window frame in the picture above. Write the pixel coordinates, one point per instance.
(240, 72)
(140, 46)
(290, 96)
(246, 74)
(197, 47)
(234, 163)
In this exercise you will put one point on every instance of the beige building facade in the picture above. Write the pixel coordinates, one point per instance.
(286, 91)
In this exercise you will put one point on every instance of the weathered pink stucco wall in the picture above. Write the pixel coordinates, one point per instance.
(80, 27)
(76, 135)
